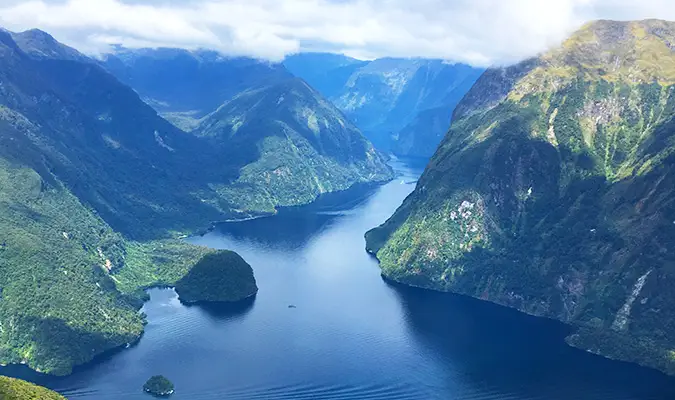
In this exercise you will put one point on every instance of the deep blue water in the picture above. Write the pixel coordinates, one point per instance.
(352, 335)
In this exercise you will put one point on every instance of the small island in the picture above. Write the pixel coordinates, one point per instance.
(158, 386)
(220, 276)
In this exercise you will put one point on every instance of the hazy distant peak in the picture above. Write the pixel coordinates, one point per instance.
(39, 44)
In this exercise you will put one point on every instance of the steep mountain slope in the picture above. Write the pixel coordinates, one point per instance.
(251, 105)
(95, 134)
(184, 86)
(80, 152)
(403, 105)
(305, 146)
(553, 193)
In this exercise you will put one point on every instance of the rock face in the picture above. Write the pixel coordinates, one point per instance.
(552, 193)
(402, 105)
(16, 389)
(221, 276)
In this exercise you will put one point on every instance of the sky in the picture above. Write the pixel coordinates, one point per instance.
(476, 32)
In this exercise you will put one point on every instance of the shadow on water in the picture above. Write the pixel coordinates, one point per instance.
(292, 227)
(275, 232)
(53, 382)
(224, 311)
(338, 201)
(511, 352)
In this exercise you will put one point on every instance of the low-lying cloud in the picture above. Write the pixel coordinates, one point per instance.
(478, 32)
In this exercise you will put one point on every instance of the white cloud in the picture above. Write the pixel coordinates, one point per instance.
(479, 32)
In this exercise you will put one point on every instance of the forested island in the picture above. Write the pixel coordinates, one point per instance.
(159, 386)
(221, 276)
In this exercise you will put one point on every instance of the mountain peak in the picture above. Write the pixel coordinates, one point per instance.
(618, 50)
(41, 45)
(37, 33)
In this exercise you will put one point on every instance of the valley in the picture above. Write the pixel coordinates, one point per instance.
(201, 216)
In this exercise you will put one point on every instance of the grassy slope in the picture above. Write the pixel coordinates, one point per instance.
(16, 389)
(552, 193)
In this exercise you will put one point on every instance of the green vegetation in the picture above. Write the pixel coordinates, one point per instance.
(59, 306)
(159, 385)
(221, 276)
(71, 286)
(16, 389)
(569, 162)
(304, 147)
(156, 263)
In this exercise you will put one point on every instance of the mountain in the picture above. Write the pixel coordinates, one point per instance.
(402, 105)
(94, 134)
(258, 117)
(85, 168)
(184, 86)
(553, 191)
(41, 45)
(304, 145)
(326, 72)
(96, 186)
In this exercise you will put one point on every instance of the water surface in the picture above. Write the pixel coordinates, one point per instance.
(350, 334)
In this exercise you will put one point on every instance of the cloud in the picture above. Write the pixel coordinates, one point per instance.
(478, 32)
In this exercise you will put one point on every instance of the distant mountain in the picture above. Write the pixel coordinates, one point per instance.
(553, 191)
(41, 45)
(244, 106)
(328, 73)
(95, 186)
(184, 86)
(402, 105)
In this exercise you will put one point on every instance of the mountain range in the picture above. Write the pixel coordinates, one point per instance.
(551, 192)
(402, 105)
(97, 186)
